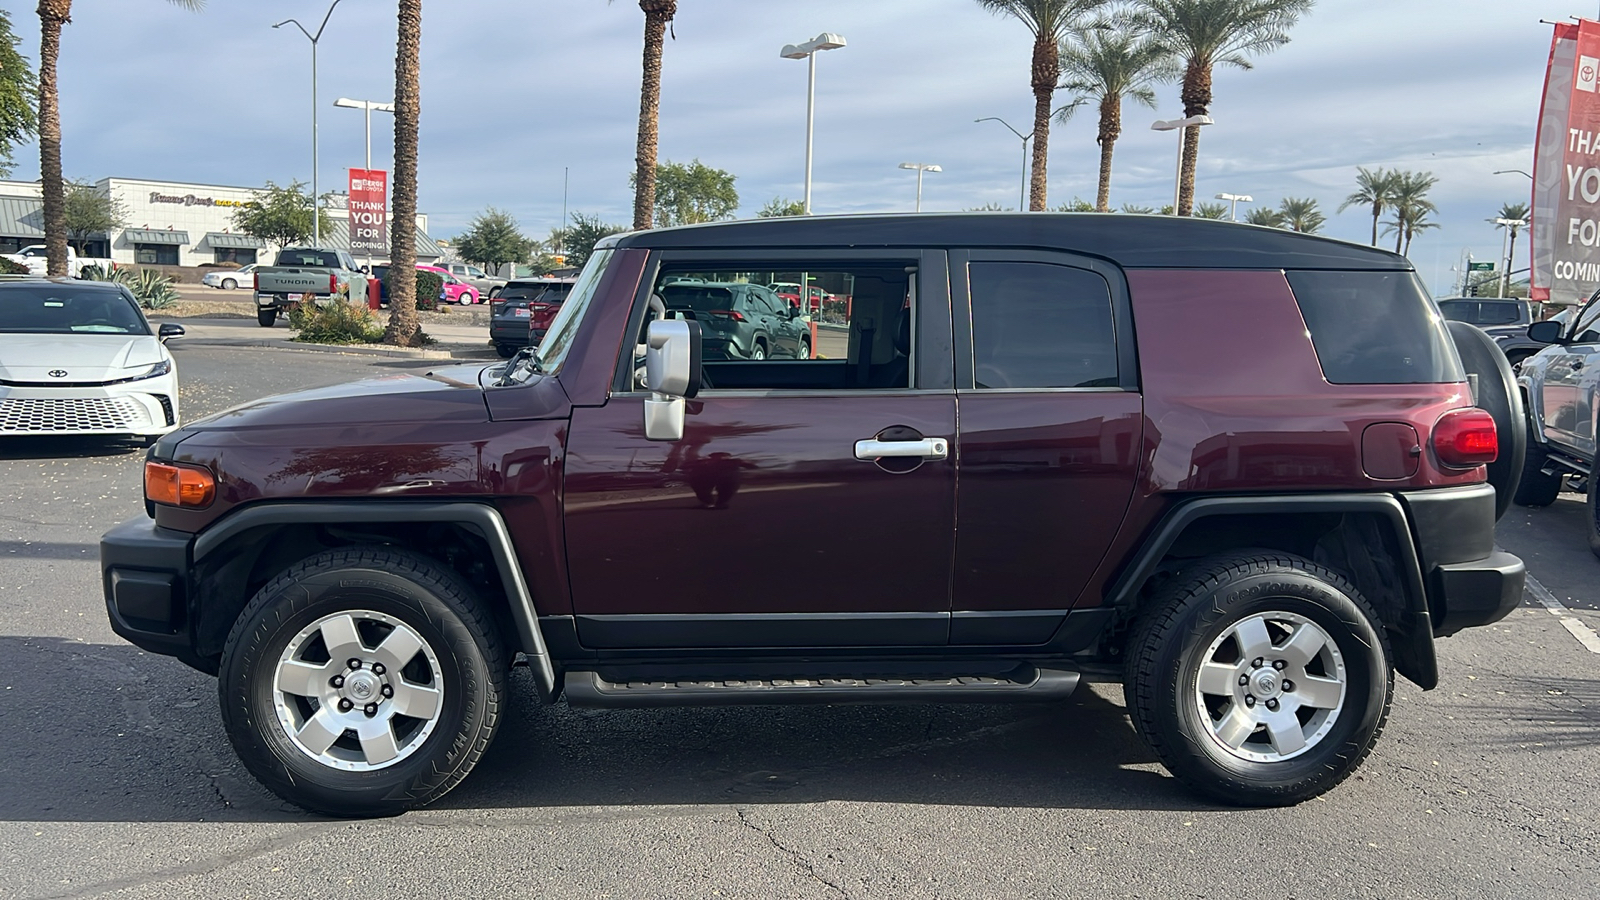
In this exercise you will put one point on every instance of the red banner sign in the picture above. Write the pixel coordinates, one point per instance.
(369, 212)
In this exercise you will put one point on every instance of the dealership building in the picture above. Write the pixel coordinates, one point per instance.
(174, 224)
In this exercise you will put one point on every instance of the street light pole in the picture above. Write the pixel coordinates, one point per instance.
(316, 201)
(920, 167)
(367, 106)
(808, 51)
(1022, 199)
(1179, 125)
(1234, 200)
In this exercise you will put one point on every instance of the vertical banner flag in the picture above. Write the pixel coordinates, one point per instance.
(369, 212)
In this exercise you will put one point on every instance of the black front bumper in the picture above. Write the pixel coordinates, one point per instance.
(144, 573)
(1469, 582)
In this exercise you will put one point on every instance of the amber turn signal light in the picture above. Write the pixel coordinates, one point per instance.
(172, 485)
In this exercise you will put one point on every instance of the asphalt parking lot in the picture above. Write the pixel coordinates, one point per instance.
(117, 778)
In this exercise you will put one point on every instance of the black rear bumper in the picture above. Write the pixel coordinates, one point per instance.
(144, 573)
(1469, 582)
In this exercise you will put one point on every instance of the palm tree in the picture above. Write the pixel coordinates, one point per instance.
(1211, 210)
(1049, 21)
(1301, 214)
(657, 15)
(1411, 207)
(1266, 216)
(1511, 212)
(1103, 62)
(1374, 186)
(1204, 34)
(52, 15)
(404, 330)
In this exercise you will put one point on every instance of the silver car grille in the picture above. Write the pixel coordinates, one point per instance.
(69, 414)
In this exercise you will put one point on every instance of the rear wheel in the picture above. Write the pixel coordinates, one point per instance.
(759, 351)
(362, 682)
(266, 316)
(229, 284)
(506, 351)
(1259, 680)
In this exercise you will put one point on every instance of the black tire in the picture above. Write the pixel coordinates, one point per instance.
(267, 316)
(456, 634)
(506, 351)
(1535, 488)
(1592, 515)
(228, 284)
(1201, 605)
(758, 351)
(1499, 396)
(805, 350)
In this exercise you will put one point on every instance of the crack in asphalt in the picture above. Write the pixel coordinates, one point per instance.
(799, 860)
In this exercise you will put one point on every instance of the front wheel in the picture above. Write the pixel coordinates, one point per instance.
(266, 316)
(228, 284)
(1259, 680)
(362, 682)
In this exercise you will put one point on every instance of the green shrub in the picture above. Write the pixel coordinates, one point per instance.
(429, 287)
(338, 322)
(11, 267)
(152, 289)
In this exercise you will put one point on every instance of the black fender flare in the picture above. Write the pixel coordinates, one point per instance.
(480, 517)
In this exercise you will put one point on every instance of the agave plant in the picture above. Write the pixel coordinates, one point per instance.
(98, 273)
(153, 289)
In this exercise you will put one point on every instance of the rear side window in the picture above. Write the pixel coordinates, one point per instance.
(1374, 328)
(1037, 325)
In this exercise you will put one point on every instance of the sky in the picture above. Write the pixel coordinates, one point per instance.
(518, 95)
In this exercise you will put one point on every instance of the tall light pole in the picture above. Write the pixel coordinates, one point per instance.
(920, 167)
(1179, 125)
(1505, 251)
(1512, 172)
(369, 106)
(808, 51)
(316, 201)
(1233, 204)
(1022, 201)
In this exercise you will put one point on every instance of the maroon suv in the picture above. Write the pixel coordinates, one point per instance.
(1249, 472)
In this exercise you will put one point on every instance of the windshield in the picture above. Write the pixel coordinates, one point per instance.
(65, 309)
(306, 257)
(552, 351)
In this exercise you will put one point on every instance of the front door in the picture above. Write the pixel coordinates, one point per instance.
(763, 527)
(1051, 420)
(1566, 393)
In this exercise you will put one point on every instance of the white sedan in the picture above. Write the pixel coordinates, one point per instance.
(228, 279)
(80, 358)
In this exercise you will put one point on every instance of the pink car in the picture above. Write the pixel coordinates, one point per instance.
(455, 290)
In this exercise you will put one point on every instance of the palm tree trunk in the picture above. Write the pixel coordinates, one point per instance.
(657, 13)
(1110, 129)
(1399, 230)
(1511, 253)
(1196, 100)
(52, 15)
(1377, 211)
(1046, 72)
(404, 329)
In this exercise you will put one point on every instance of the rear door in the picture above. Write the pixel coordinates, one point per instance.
(773, 523)
(1051, 422)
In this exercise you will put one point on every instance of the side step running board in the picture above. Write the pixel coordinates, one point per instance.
(1024, 683)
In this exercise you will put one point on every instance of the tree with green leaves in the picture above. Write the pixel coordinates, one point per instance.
(687, 194)
(18, 88)
(1205, 34)
(1511, 212)
(1048, 21)
(1211, 210)
(492, 238)
(53, 14)
(1266, 216)
(1135, 209)
(1102, 62)
(1301, 214)
(404, 328)
(90, 213)
(1374, 188)
(780, 208)
(279, 215)
(584, 232)
(1411, 208)
(1076, 204)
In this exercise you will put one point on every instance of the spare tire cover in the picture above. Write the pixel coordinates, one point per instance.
(1498, 395)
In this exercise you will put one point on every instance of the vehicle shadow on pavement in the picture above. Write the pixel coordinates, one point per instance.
(64, 447)
(1556, 712)
(109, 733)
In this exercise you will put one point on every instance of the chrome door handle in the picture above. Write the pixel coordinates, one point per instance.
(927, 448)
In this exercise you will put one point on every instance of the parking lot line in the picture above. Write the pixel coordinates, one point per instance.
(1585, 635)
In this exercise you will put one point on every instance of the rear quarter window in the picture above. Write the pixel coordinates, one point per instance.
(1375, 328)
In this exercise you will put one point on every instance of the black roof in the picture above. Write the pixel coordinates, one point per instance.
(1132, 241)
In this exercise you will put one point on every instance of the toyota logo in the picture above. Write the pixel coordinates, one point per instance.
(58, 373)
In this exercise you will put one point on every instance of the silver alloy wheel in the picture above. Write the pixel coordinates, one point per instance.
(1271, 687)
(358, 690)
(758, 352)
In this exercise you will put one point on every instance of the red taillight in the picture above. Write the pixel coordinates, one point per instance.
(1463, 438)
(255, 280)
(333, 284)
(727, 314)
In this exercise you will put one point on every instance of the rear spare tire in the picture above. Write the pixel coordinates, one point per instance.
(1497, 394)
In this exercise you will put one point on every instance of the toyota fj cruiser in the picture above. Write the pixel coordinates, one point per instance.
(1248, 472)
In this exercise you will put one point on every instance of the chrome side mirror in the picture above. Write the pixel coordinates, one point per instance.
(671, 374)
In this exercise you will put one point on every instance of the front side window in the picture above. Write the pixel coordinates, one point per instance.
(1039, 325)
(60, 309)
(552, 351)
(854, 332)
